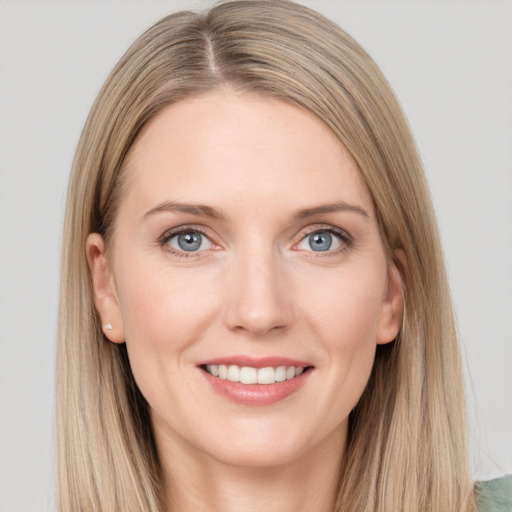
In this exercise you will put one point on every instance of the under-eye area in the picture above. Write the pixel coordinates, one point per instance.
(251, 375)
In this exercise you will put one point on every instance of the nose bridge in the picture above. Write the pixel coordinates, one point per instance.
(259, 302)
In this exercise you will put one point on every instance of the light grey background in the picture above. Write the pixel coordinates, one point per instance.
(450, 63)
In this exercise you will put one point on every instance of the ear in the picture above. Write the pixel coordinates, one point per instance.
(104, 289)
(390, 320)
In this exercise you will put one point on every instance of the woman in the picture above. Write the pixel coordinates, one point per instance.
(254, 311)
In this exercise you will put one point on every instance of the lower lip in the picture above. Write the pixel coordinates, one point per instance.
(256, 394)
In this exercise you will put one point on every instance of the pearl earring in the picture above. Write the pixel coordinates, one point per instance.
(108, 326)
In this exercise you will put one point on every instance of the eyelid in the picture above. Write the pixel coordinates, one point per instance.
(178, 230)
(325, 227)
(345, 238)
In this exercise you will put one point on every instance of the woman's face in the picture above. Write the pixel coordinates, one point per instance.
(246, 244)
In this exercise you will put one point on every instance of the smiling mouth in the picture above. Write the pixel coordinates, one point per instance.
(251, 375)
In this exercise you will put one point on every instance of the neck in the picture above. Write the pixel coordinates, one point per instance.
(195, 482)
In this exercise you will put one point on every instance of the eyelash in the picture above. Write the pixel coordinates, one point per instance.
(345, 240)
(168, 235)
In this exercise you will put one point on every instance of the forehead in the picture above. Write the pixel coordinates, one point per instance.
(229, 147)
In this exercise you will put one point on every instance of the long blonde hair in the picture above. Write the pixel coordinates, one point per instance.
(406, 447)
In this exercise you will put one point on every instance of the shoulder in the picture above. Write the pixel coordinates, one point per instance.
(495, 495)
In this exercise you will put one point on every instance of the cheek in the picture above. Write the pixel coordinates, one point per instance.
(164, 313)
(158, 303)
(344, 318)
(346, 307)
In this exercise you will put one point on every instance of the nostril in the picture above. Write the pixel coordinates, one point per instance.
(259, 329)
(258, 302)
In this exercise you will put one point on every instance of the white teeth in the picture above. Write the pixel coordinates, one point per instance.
(249, 375)
(280, 373)
(233, 373)
(223, 371)
(266, 376)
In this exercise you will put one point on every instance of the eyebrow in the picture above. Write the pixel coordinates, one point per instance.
(200, 210)
(340, 206)
(203, 210)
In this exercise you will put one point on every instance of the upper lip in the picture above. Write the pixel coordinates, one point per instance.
(255, 362)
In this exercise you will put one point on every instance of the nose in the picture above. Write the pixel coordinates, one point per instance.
(259, 301)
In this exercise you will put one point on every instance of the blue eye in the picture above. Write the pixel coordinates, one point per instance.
(189, 241)
(321, 241)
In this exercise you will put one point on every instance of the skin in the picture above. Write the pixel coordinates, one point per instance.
(256, 287)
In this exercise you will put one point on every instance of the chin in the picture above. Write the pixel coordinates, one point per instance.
(260, 446)
(257, 456)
